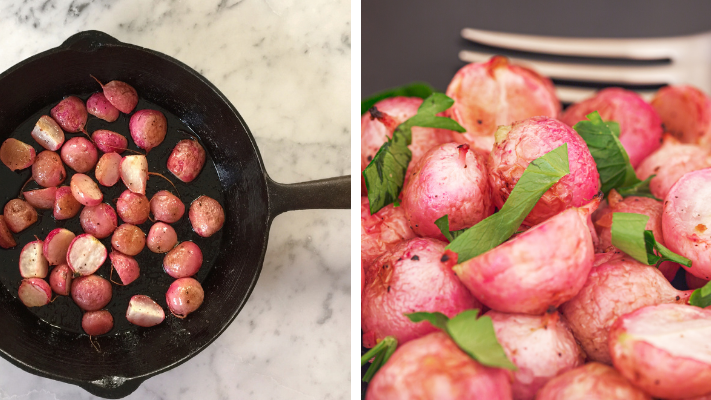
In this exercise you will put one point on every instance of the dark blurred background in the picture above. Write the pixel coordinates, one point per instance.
(418, 40)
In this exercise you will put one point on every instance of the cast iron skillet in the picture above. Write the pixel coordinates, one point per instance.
(250, 198)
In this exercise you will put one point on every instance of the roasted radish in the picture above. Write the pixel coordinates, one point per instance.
(121, 95)
(143, 311)
(97, 323)
(56, 245)
(167, 207)
(60, 279)
(108, 169)
(133, 208)
(16, 155)
(592, 381)
(34, 292)
(184, 296)
(134, 173)
(79, 154)
(91, 292)
(48, 133)
(85, 254)
(128, 239)
(85, 190)
(48, 170)
(186, 160)
(381, 231)
(65, 205)
(206, 216)
(126, 267)
(99, 220)
(70, 114)
(161, 238)
(6, 239)
(41, 198)
(109, 141)
(19, 215)
(32, 261)
(99, 106)
(183, 261)
(148, 128)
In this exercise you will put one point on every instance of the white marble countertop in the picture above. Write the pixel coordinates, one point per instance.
(285, 65)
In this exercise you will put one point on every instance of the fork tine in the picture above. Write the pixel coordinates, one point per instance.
(634, 75)
(639, 49)
(569, 94)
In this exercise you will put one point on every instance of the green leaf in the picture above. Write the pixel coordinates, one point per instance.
(415, 89)
(663, 253)
(385, 175)
(701, 297)
(539, 176)
(630, 235)
(614, 127)
(437, 319)
(443, 225)
(639, 189)
(382, 352)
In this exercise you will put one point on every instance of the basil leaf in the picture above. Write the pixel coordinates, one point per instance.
(539, 176)
(630, 235)
(443, 225)
(639, 189)
(664, 253)
(614, 127)
(415, 89)
(701, 297)
(385, 175)
(475, 336)
(382, 352)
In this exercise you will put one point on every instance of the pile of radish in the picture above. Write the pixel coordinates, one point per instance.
(577, 301)
(65, 263)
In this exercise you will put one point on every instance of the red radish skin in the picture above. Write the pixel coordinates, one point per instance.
(34, 292)
(48, 170)
(121, 95)
(41, 198)
(148, 128)
(685, 112)
(184, 296)
(126, 267)
(96, 323)
(128, 239)
(161, 238)
(133, 208)
(48, 133)
(86, 254)
(65, 205)
(32, 261)
(109, 141)
(85, 190)
(70, 114)
(6, 239)
(183, 261)
(108, 170)
(186, 160)
(19, 215)
(206, 216)
(56, 245)
(79, 154)
(99, 220)
(99, 106)
(91, 292)
(17, 155)
(134, 173)
(167, 207)
(381, 231)
(694, 283)
(592, 381)
(143, 311)
(60, 279)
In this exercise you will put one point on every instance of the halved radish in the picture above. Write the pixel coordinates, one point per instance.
(41, 198)
(86, 191)
(32, 261)
(126, 267)
(65, 205)
(134, 173)
(56, 245)
(48, 133)
(109, 141)
(143, 311)
(99, 106)
(16, 155)
(6, 239)
(121, 95)
(108, 169)
(19, 215)
(86, 254)
(34, 292)
(60, 279)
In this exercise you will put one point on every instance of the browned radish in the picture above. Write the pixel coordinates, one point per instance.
(133, 208)
(99, 220)
(32, 262)
(183, 261)
(148, 128)
(143, 311)
(85, 190)
(126, 267)
(134, 173)
(6, 239)
(16, 155)
(167, 207)
(48, 170)
(186, 160)
(48, 133)
(128, 239)
(34, 292)
(99, 106)
(70, 114)
(120, 94)
(60, 279)
(19, 214)
(41, 198)
(184, 296)
(79, 154)
(65, 205)
(97, 323)
(56, 245)
(206, 216)
(85, 254)
(91, 292)
(107, 169)
(161, 238)
(109, 141)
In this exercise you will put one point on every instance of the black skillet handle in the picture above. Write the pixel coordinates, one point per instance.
(321, 194)
(112, 387)
(89, 41)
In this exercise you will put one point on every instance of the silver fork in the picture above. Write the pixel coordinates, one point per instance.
(683, 59)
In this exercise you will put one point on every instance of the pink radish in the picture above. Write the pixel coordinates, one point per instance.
(70, 114)
(161, 238)
(41, 198)
(107, 169)
(19, 215)
(48, 133)
(65, 205)
(48, 170)
(120, 94)
(56, 245)
(85, 190)
(134, 173)
(91, 292)
(186, 160)
(16, 155)
(109, 141)
(85, 254)
(148, 128)
(79, 154)
(6, 239)
(60, 279)
(381, 231)
(694, 283)
(183, 261)
(97, 323)
(167, 207)
(34, 292)
(99, 106)
(184, 296)
(126, 267)
(128, 239)
(685, 112)
(206, 216)
(592, 381)
(32, 262)
(143, 311)
(133, 208)
(99, 220)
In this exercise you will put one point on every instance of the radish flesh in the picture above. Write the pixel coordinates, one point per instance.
(32, 261)
(34, 292)
(143, 311)
(85, 190)
(134, 173)
(16, 155)
(56, 245)
(85, 254)
(19, 215)
(6, 239)
(48, 133)
(107, 169)
(41, 198)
